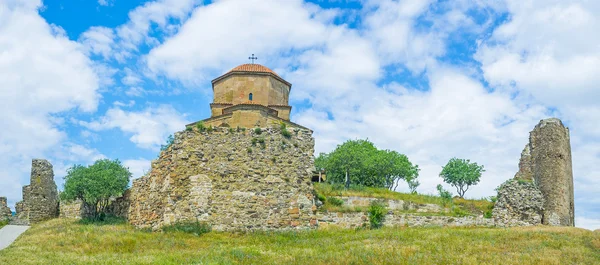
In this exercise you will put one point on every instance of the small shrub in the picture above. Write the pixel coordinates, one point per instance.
(249, 150)
(239, 129)
(189, 128)
(170, 141)
(524, 181)
(376, 212)
(254, 141)
(321, 198)
(210, 129)
(195, 228)
(444, 194)
(487, 214)
(458, 211)
(200, 126)
(258, 131)
(493, 199)
(273, 159)
(262, 143)
(284, 131)
(230, 130)
(335, 201)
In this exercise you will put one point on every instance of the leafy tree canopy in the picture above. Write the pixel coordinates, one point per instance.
(365, 165)
(96, 184)
(462, 174)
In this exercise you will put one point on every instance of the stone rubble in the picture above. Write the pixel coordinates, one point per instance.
(519, 203)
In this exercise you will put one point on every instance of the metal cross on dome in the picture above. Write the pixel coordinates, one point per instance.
(253, 58)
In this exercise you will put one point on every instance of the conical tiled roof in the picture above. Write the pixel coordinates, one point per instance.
(253, 68)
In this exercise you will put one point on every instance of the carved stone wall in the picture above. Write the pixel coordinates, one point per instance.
(40, 197)
(233, 180)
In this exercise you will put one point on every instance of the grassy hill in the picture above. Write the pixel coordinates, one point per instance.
(458, 206)
(70, 242)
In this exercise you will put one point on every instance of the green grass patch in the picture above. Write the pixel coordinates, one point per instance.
(3, 223)
(195, 228)
(68, 242)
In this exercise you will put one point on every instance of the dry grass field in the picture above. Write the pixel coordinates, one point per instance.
(70, 242)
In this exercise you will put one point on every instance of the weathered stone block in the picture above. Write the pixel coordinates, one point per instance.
(5, 212)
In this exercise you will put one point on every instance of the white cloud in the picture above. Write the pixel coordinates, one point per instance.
(587, 223)
(105, 2)
(149, 128)
(137, 167)
(43, 73)
(98, 40)
(224, 33)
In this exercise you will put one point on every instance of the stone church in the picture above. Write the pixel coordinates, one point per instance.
(250, 95)
(234, 176)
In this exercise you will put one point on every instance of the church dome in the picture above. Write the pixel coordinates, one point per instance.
(255, 68)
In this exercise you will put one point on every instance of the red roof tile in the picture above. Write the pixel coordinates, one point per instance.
(253, 68)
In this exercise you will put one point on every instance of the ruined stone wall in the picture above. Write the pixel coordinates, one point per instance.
(361, 219)
(40, 198)
(229, 180)
(5, 212)
(519, 203)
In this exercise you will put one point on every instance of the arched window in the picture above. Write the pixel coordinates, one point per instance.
(250, 97)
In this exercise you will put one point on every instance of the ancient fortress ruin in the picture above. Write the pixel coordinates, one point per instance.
(248, 167)
(542, 192)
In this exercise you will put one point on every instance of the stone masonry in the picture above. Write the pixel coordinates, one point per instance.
(520, 203)
(553, 171)
(40, 198)
(546, 161)
(5, 212)
(232, 179)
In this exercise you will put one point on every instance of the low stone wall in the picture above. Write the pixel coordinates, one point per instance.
(73, 210)
(359, 219)
(393, 205)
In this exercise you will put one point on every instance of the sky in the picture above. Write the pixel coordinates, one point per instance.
(83, 80)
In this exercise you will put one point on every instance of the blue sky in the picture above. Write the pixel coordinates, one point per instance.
(86, 79)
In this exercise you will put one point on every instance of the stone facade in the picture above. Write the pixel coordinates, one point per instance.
(40, 198)
(233, 180)
(5, 212)
(520, 203)
(361, 219)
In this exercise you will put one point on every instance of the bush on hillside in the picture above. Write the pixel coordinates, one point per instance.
(377, 212)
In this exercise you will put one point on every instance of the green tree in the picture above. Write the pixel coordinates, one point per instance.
(360, 162)
(96, 184)
(462, 174)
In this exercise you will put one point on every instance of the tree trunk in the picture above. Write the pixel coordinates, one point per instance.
(347, 180)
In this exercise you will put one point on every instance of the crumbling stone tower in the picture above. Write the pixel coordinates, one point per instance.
(40, 198)
(553, 171)
(546, 161)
